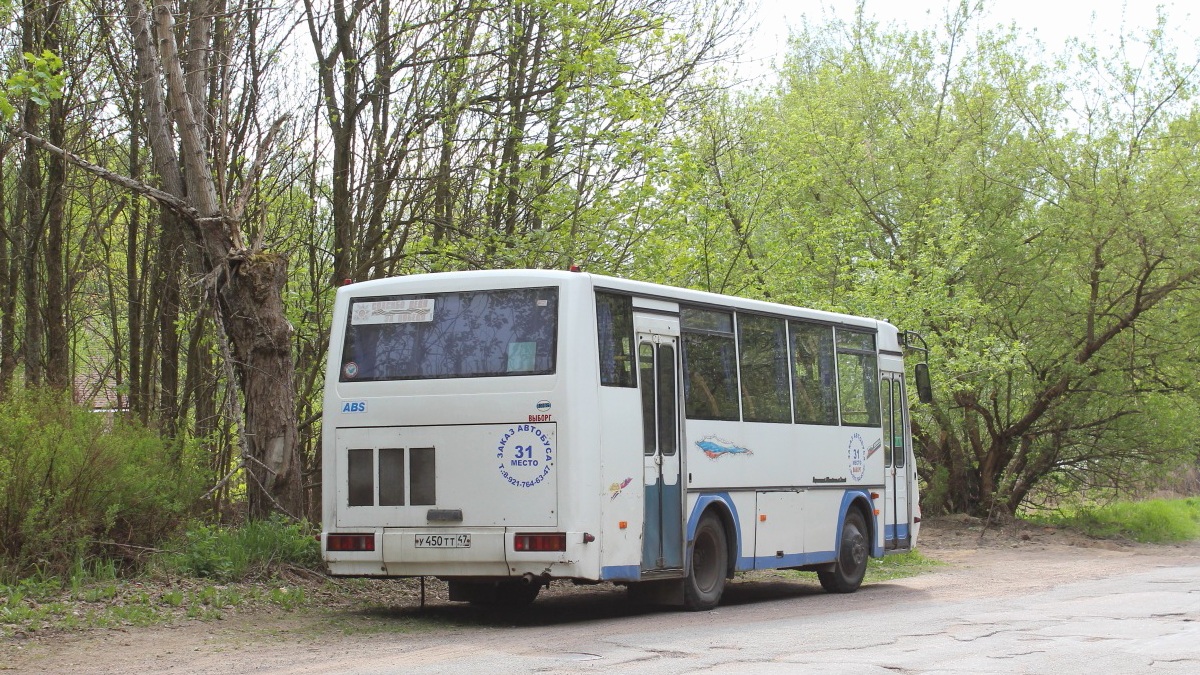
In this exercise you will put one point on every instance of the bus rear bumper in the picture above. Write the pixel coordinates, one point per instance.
(461, 553)
(356, 568)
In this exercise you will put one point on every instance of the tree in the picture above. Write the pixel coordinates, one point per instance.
(946, 182)
(462, 134)
(244, 280)
(510, 134)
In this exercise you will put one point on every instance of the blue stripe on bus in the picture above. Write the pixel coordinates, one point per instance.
(747, 563)
(621, 573)
(891, 531)
(743, 564)
(794, 560)
(847, 499)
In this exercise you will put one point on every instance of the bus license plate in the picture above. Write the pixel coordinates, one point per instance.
(442, 541)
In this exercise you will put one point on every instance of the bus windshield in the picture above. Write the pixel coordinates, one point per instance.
(451, 335)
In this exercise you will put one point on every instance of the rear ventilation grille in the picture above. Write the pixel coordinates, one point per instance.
(391, 477)
(362, 477)
(421, 477)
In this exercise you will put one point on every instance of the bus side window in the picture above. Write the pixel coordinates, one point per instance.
(709, 365)
(898, 422)
(858, 378)
(700, 398)
(649, 430)
(668, 434)
(762, 356)
(885, 396)
(614, 338)
(813, 384)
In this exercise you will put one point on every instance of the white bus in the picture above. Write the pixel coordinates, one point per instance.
(502, 429)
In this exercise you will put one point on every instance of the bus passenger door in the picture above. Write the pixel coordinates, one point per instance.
(662, 529)
(897, 468)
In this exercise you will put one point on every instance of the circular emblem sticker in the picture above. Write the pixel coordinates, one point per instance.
(525, 455)
(857, 457)
(350, 370)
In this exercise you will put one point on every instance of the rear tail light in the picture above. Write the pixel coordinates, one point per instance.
(349, 542)
(553, 541)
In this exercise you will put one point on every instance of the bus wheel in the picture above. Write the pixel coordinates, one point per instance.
(516, 593)
(846, 575)
(709, 564)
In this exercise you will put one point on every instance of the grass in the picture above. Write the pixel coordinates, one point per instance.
(113, 604)
(899, 566)
(887, 568)
(212, 571)
(1156, 521)
(250, 551)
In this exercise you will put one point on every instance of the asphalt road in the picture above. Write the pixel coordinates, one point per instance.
(1138, 623)
(1006, 609)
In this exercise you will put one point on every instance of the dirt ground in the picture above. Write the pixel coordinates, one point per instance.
(978, 561)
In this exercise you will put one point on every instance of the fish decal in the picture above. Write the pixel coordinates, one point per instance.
(715, 447)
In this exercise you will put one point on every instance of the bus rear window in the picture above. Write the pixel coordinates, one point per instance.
(450, 335)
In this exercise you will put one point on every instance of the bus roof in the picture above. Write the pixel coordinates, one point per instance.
(524, 277)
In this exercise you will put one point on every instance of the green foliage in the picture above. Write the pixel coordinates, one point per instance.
(251, 551)
(1155, 521)
(950, 183)
(173, 598)
(39, 82)
(287, 598)
(42, 600)
(935, 490)
(34, 605)
(75, 485)
(95, 594)
(899, 566)
(887, 568)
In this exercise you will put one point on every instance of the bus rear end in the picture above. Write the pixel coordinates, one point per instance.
(443, 439)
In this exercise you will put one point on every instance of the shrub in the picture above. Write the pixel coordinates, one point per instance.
(254, 550)
(76, 484)
(1154, 521)
(935, 494)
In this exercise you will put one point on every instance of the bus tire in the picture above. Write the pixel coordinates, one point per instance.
(517, 593)
(847, 572)
(708, 565)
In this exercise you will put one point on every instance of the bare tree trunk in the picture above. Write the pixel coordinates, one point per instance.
(29, 192)
(58, 353)
(261, 336)
(248, 283)
(199, 387)
(522, 68)
(249, 289)
(342, 57)
(201, 362)
(8, 280)
(135, 281)
(171, 259)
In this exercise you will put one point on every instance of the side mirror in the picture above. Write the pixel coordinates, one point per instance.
(924, 388)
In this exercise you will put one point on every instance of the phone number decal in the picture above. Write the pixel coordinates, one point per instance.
(525, 456)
